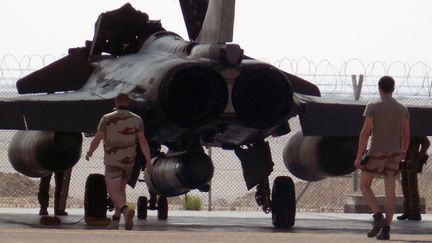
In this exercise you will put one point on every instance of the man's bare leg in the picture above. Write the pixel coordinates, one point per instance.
(114, 187)
(366, 189)
(390, 200)
(378, 218)
(127, 212)
(123, 189)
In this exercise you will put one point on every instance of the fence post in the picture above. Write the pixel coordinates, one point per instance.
(357, 91)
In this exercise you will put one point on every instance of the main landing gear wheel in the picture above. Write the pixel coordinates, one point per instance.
(142, 207)
(283, 203)
(96, 200)
(162, 208)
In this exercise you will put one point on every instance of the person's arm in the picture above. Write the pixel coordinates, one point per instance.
(94, 144)
(363, 140)
(405, 138)
(145, 149)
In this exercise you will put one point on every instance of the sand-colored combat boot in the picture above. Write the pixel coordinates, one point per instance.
(128, 217)
(115, 222)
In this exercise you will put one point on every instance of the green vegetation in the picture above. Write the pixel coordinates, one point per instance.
(131, 205)
(191, 203)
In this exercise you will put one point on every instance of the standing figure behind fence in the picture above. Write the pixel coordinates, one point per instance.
(416, 158)
(120, 130)
(387, 121)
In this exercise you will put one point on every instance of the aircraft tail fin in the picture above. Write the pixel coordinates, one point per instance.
(209, 21)
(219, 22)
(194, 12)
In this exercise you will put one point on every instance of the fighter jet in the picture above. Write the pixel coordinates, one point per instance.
(204, 91)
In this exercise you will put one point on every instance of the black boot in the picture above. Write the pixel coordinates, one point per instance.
(385, 233)
(43, 212)
(416, 217)
(60, 213)
(377, 224)
(403, 217)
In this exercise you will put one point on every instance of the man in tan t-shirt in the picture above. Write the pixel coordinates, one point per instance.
(120, 130)
(387, 121)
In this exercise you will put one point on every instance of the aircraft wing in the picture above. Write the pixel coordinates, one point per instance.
(69, 112)
(330, 117)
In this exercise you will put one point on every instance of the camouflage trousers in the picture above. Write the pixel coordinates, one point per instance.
(410, 189)
(62, 180)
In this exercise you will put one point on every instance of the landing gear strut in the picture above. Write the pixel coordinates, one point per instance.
(262, 196)
(257, 166)
(282, 204)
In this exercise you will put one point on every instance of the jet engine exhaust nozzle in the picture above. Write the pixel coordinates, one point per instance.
(193, 96)
(262, 97)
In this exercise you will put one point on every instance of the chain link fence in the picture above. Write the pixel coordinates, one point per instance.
(228, 189)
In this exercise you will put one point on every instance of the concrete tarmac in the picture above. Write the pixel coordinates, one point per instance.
(22, 225)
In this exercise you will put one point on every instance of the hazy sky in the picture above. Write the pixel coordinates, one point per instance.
(337, 30)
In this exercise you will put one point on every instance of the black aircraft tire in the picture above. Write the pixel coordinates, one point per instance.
(162, 208)
(283, 203)
(95, 197)
(142, 207)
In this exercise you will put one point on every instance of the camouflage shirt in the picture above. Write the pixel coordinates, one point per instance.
(120, 128)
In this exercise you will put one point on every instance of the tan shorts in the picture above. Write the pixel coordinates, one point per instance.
(386, 164)
(124, 171)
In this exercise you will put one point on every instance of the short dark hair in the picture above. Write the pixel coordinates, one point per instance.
(122, 99)
(386, 84)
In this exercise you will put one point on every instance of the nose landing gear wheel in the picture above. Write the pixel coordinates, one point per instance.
(142, 207)
(162, 208)
(283, 203)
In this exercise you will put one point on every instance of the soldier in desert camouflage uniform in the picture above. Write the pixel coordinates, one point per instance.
(62, 180)
(416, 157)
(120, 130)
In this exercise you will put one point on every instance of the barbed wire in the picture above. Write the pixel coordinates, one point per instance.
(13, 68)
(412, 79)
